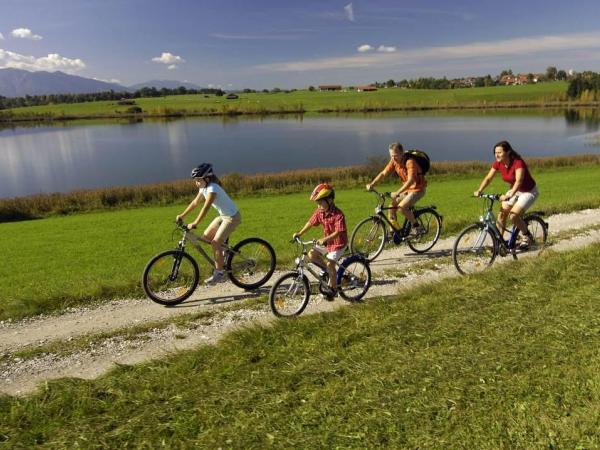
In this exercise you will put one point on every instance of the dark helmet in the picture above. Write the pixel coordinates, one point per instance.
(202, 171)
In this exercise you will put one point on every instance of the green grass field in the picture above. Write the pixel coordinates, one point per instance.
(465, 363)
(305, 101)
(57, 262)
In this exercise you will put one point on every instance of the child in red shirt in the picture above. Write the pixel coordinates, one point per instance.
(333, 244)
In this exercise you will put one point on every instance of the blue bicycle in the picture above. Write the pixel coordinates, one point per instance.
(477, 246)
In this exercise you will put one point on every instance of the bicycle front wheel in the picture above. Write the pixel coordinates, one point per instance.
(170, 277)
(538, 229)
(368, 238)
(431, 223)
(289, 295)
(474, 250)
(354, 278)
(250, 263)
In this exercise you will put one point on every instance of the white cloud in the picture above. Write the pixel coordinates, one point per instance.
(364, 48)
(1, 37)
(385, 49)
(172, 67)
(108, 80)
(51, 62)
(25, 33)
(552, 45)
(349, 10)
(168, 58)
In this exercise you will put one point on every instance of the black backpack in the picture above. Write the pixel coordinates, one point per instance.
(421, 157)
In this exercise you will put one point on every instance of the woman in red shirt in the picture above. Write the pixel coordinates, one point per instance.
(522, 193)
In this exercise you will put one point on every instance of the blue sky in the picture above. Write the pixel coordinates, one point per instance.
(268, 43)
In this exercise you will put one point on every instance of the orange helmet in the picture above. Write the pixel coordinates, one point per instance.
(323, 190)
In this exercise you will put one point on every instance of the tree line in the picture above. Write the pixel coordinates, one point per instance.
(38, 100)
(551, 74)
(585, 86)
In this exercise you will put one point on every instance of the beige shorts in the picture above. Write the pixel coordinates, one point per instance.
(222, 226)
(523, 200)
(411, 197)
(332, 256)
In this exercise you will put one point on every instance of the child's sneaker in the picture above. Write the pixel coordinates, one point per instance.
(329, 293)
(217, 277)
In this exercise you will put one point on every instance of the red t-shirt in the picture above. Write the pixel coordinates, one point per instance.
(509, 174)
(332, 220)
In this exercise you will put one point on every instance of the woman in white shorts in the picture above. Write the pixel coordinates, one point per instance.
(523, 190)
(221, 227)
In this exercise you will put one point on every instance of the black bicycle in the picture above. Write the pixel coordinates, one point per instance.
(371, 234)
(172, 276)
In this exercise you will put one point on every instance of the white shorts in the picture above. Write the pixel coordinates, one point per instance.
(332, 256)
(524, 200)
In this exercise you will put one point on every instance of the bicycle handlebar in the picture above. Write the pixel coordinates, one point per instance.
(301, 242)
(490, 196)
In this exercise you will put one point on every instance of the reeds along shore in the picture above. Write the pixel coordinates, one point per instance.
(43, 205)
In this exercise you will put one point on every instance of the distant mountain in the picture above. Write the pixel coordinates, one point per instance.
(168, 84)
(19, 83)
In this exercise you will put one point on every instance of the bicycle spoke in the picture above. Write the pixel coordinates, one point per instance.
(474, 250)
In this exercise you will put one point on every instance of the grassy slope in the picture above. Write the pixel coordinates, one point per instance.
(319, 101)
(52, 263)
(467, 363)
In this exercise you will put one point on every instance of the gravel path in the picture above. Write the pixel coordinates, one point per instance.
(223, 308)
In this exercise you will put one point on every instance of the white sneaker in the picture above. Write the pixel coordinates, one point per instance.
(528, 242)
(217, 277)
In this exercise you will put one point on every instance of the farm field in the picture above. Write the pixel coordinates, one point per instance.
(542, 94)
(51, 264)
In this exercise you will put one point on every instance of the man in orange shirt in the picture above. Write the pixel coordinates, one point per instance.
(412, 189)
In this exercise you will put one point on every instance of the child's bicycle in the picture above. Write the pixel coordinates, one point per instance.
(477, 246)
(291, 292)
(172, 276)
(370, 235)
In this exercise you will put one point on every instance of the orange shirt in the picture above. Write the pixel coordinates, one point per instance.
(412, 167)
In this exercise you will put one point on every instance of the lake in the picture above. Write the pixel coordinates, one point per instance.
(61, 158)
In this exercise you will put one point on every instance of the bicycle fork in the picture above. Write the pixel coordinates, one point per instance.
(177, 261)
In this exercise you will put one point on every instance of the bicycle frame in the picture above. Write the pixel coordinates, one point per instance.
(379, 212)
(194, 240)
(488, 219)
(303, 262)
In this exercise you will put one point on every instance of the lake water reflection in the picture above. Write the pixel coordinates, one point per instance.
(84, 155)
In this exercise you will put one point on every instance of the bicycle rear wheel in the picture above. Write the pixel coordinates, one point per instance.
(368, 238)
(170, 277)
(250, 263)
(431, 222)
(538, 229)
(474, 250)
(289, 295)
(354, 278)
